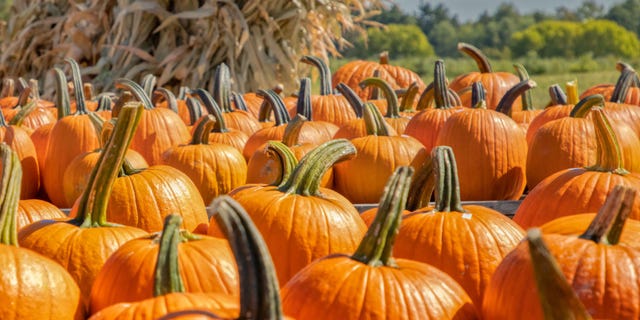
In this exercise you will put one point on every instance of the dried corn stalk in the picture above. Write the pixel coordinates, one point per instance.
(179, 41)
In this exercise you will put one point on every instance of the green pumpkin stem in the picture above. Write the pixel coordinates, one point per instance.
(557, 95)
(137, 91)
(213, 109)
(195, 110)
(527, 100)
(375, 93)
(447, 185)
(303, 107)
(93, 202)
(10, 182)
(239, 102)
(477, 94)
(148, 84)
(621, 66)
(607, 225)
(306, 177)
(584, 106)
(104, 103)
(374, 121)
(273, 102)
(259, 292)
(19, 117)
(222, 87)
(393, 106)
(440, 88)
(63, 102)
(168, 96)
(625, 81)
(201, 133)
(167, 272)
(292, 131)
(98, 123)
(354, 100)
(377, 244)
(78, 87)
(285, 157)
(557, 298)
(506, 102)
(406, 104)
(422, 186)
(481, 60)
(609, 153)
(325, 73)
(572, 92)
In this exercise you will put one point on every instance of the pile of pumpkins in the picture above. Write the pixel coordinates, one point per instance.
(212, 204)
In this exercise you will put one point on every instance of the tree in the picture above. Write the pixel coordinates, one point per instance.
(394, 15)
(602, 38)
(400, 40)
(626, 14)
(548, 38)
(429, 16)
(590, 10)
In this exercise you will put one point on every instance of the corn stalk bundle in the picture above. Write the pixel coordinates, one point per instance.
(179, 41)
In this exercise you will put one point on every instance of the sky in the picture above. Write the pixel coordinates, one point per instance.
(471, 9)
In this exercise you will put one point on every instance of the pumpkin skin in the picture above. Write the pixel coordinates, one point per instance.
(575, 225)
(355, 128)
(20, 142)
(270, 132)
(33, 210)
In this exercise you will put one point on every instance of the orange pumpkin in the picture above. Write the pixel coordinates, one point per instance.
(574, 225)
(274, 103)
(387, 288)
(355, 128)
(392, 117)
(607, 90)
(33, 210)
(163, 98)
(529, 112)
(314, 132)
(234, 118)
(220, 133)
(560, 107)
(19, 141)
(37, 116)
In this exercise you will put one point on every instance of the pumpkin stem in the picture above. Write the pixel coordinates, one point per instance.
(213, 109)
(377, 244)
(325, 73)
(373, 120)
(426, 98)
(239, 102)
(621, 66)
(148, 84)
(63, 102)
(481, 60)
(23, 98)
(93, 202)
(273, 102)
(307, 175)
(201, 133)
(167, 272)
(8, 88)
(22, 84)
(124, 98)
(393, 106)
(557, 298)
(183, 93)
(354, 100)
(584, 106)
(477, 94)
(104, 103)
(527, 100)
(195, 111)
(285, 157)
(384, 57)
(506, 102)
(222, 87)
(374, 94)
(406, 104)
(88, 90)
(259, 292)
(607, 226)
(137, 92)
(98, 123)
(447, 185)
(10, 183)
(609, 154)
(78, 87)
(422, 186)
(168, 96)
(557, 95)
(21, 115)
(440, 88)
(292, 131)
(626, 79)
(303, 107)
(35, 89)
(572, 92)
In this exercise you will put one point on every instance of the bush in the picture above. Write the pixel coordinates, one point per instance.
(399, 39)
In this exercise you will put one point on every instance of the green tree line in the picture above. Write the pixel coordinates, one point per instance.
(506, 33)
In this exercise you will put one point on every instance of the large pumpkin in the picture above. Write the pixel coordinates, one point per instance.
(560, 106)
(355, 128)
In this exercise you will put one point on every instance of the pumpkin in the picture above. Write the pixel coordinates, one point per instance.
(576, 224)
(159, 129)
(596, 265)
(82, 244)
(355, 128)
(234, 118)
(607, 90)
(32, 210)
(274, 103)
(205, 265)
(491, 150)
(70, 136)
(496, 84)
(449, 236)
(163, 98)
(392, 117)
(621, 112)
(314, 132)
(31, 285)
(560, 107)
(299, 220)
(354, 72)
(38, 116)
(220, 133)
(386, 288)
(8, 96)
(409, 95)
(362, 179)
(328, 106)
(580, 190)
(427, 123)
(215, 168)
(528, 112)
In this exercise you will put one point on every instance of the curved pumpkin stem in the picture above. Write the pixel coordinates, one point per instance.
(440, 88)
(557, 95)
(123, 99)
(354, 100)
(10, 183)
(377, 244)
(167, 272)
(572, 92)
(259, 292)
(626, 79)
(183, 93)
(527, 101)
(292, 131)
(621, 66)
(98, 124)
(607, 225)
(63, 102)
(286, 159)
(481, 60)
(608, 149)
(325, 73)
(195, 111)
(222, 87)
(306, 177)
(78, 87)
(582, 108)
(303, 107)
(477, 94)
(557, 298)
(19, 117)
(239, 101)
(384, 57)
(393, 106)
(213, 109)
(506, 102)
(373, 120)
(201, 133)
(104, 103)
(93, 202)
(273, 102)
(148, 84)
(406, 104)
(137, 92)
(447, 190)
(422, 186)
(168, 96)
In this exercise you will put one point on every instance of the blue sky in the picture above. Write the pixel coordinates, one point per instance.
(470, 9)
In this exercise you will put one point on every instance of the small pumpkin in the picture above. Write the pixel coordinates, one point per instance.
(560, 106)
(274, 103)
(32, 210)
